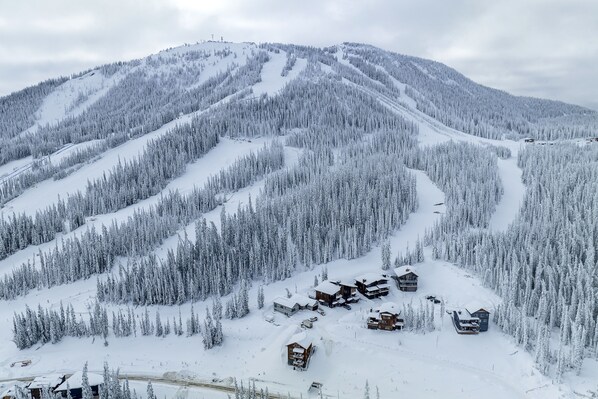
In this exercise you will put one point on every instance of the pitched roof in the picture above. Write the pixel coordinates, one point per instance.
(50, 380)
(286, 302)
(302, 300)
(389, 307)
(369, 278)
(302, 338)
(296, 299)
(474, 306)
(328, 287)
(405, 270)
(76, 381)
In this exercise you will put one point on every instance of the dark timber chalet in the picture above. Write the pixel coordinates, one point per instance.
(482, 313)
(385, 317)
(465, 323)
(406, 278)
(372, 285)
(299, 351)
(336, 293)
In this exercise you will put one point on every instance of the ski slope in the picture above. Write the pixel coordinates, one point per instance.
(271, 80)
(400, 364)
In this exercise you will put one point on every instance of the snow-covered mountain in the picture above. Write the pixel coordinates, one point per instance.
(153, 210)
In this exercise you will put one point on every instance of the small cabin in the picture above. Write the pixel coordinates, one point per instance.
(75, 385)
(299, 351)
(465, 322)
(50, 382)
(286, 306)
(304, 302)
(328, 293)
(372, 285)
(406, 278)
(385, 317)
(481, 313)
(290, 306)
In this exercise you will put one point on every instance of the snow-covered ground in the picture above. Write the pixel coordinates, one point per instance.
(440, 363)
(271, 80)
(436, 364)
(511, 200)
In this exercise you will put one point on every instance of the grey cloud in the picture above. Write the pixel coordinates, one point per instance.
(543, 48)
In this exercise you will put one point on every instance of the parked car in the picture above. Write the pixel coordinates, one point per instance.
(321, 311)
(306, 324)
(346, 306)
(312, 319)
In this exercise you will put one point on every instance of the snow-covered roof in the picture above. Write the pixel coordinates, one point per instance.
(328, 287)
(286, 302)
(389, 307)
(302, 300)
(76, 381)
(474, 306)
(369, 278)
(348, 283)
(405, 270)
(464, 315)
(302, 339)
(50, 380)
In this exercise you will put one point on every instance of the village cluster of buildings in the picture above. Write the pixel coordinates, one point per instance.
(331, 293)
(387, 316)
(58, 385)
(334, 293)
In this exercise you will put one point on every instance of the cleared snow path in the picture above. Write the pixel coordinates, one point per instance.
(272, 82)
(428, 195)
(225, 153)
(432, 132)
(507, 208)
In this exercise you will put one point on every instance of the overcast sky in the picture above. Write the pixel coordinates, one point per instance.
(543, 48)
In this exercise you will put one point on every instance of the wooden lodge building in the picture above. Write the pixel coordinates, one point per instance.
(75, 385)
(50, 382)
(336, 293)
(385, 317)
(299, 351)
(406, 278)
(372, 285)
(465, 323)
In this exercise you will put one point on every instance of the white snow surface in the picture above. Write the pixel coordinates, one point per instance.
(271, 80)
(440, 363)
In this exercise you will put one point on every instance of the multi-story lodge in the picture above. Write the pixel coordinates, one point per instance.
(299, 351)
(465, 322)
(481, 313)
(336, 293)
(385, 317)
(406, 278)
(372, 285)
